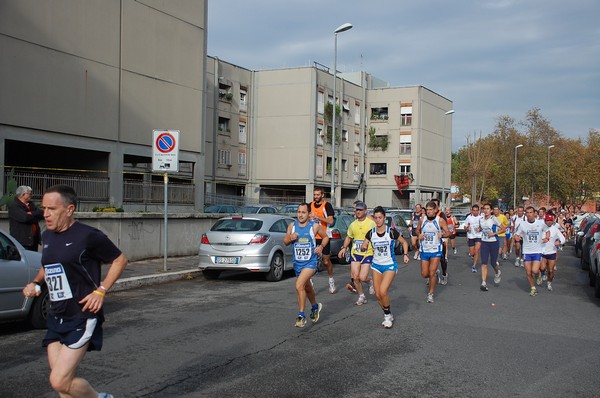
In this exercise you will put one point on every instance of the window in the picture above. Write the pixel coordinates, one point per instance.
(224, 157)
(345, 106)
(242, 162)
(225, 93)
(243, 99)
(321, 102)
(345, 135)
(379, 113)
(356, 141)
(319, 166)
(405, 148)
(357, 113)
(344, 165)
(242, 134)
(320, 135)
(404, 168)
(330, 99)
(328, 165)
(224, 125)
(406, 114)
(378, 168)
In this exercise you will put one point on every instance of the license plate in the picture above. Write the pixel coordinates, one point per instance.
(227, 260)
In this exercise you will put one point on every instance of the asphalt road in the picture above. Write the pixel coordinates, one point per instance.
(234, 337)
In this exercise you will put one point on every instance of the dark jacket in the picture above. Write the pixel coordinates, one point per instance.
(22, 221)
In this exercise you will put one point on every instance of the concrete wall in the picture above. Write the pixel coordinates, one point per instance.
(140, 235)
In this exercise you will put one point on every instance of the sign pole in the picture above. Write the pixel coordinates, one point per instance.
(166, 235)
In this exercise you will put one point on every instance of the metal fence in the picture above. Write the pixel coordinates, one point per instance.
(135, 191)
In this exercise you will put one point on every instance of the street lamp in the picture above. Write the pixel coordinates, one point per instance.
(340, 29)
(515, 191)
(443, 201)
(548, 188)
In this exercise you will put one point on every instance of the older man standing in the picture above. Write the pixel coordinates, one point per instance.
(23, 219)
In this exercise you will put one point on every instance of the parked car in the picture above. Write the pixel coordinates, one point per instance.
(587, 241)
(337, 234)
(462, 218)
(258, 209)
(585, 224)
(405, 213)
(231, 209)
(396, 221)
(249, 242)
(290, 210)
(18, 267)
(594, 270)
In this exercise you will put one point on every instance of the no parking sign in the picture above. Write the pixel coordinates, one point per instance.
(165, 150)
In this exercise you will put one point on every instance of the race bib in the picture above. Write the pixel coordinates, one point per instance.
(429, 240)
(302, 251)
(56, 280)
(533, 236)
(357, 245)
(381, 250)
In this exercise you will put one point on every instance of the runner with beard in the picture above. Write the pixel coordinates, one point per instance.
(322, 212)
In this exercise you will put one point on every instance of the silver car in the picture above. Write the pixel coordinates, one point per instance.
(18, 267)
(247, 243)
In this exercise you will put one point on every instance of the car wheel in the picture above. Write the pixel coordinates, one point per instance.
(592, 277)
(38, 315)
(211, 274)
(275, 274)
(584, 265)
(577, 253)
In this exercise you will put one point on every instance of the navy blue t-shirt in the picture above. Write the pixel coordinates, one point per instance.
(80, 250)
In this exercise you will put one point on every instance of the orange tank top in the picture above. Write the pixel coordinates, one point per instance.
(321, 213)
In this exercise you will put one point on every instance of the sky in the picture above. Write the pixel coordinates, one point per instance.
(490, 57)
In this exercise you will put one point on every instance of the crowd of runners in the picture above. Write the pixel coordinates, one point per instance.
(535, 236)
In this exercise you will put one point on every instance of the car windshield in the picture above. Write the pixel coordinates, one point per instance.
(249, 209)
(211, 209)
(237, 224)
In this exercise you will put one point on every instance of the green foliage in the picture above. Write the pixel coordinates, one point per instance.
(378, 141)
(329, 134)
(108, 209)
(11, 187)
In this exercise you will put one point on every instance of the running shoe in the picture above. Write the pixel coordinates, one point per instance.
(300, 321)
(549, 286)
(351, 288)
(332, 288)
(538, 279)
(315, 312)
(388, 321)
(438, 274)
(371, 287)
(430, 297)
(416, 255)
(497, 264)
(444, 280)
(533, 291)
(516, 262)
(545, 276)
(361, 300)
(498, 277)
(483, 287)
(474, 269)
(454, 251)
(105, 395)
(522, 263)
(504, 256)
(419, 256)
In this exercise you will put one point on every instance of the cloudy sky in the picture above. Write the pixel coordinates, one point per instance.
(490, 57)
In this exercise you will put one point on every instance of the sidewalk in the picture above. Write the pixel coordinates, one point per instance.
(151, 271)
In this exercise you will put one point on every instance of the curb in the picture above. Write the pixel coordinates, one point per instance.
(146, 280)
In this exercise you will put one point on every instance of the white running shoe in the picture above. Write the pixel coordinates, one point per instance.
(516, 262)
(371, 287)
(332, 288)
(544, 276)
(388, 321)
(498, 277)
(444, 280)
(549, 286)
(416, 255)
(522, 264)
(361, 300)
(430, 297)
(454, 251)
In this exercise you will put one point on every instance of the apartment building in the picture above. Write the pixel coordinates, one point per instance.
(393, 144)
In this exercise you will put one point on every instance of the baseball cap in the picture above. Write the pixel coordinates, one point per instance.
(549, 217)
(360, 206)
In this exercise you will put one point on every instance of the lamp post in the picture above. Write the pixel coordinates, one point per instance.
(340, 29)
(548, 187)
(515, 190)
(443, 201)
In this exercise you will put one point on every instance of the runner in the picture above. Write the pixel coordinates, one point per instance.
(302, 233)
(518, 218)
(414, 238)
(384, 266)
(501, 236)
(473, 235)
(508, 239)
(360, 259)
(452, 225)
(443, 279)
(533, 233)
(491, 228)
(549, 251)
(322, 211)
(431, 230)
